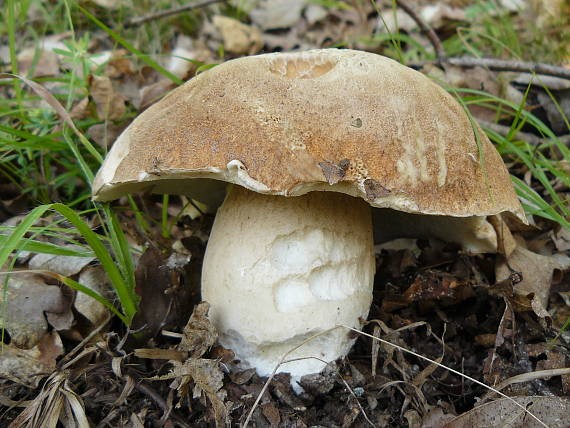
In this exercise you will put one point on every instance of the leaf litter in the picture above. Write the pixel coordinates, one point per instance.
(467, 305)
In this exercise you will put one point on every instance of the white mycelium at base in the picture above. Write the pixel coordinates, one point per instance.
(278, 270)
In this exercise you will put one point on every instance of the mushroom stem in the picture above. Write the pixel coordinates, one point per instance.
(278, 270)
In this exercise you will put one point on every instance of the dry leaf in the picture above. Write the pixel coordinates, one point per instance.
(118, 64)
(432, 284)
(199, 334)
(153, 92)
(94, 278)
(208, 378)
(183, 50)
(81, 109)
(105, 134)
(561, 239)
(555, 359)
(28, 299)
(536, 272)
(239, 39)
(437, 15)
(273, 14)
(110, 105)
(435, 418)
(553, 411)
(271, 413)
(38, 62)
(29, 366)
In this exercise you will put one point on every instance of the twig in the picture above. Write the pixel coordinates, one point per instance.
(510, 65)
(443, 366)
(494, 64)
(430, 34)
(532, 139)
(169, 12)
(526, 377)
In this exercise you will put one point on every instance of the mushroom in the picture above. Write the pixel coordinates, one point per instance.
(310, 141)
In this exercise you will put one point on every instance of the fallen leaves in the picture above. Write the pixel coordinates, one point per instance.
(26, 300)
(552, 411)
(200, 376)
(109, 104)
(239, 39)
(537, 271)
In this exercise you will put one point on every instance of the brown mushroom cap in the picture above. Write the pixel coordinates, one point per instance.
(335, 120)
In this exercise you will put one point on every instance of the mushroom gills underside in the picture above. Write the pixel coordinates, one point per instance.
(475, 234)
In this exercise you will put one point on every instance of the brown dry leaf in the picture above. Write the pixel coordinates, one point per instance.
(239, 39)
(94, 278)
(38, 62)
(561, 239)
(552, 411)
(436, 418)
(536, 272)
(110, 105)
(81, 109)
(506, 243)
(28, 300)
(208, 378)
(199, 334)
(119, 64)
(105, 134)
(555, 359)
(271, 413)
(55, 402)
(153, 92)
(433, 284)
(29, 366)
(545, 13)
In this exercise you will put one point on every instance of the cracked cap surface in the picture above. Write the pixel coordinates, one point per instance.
(328, 120)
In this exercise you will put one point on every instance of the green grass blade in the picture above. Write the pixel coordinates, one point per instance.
(124, 287)
(46, 248)
(122, 251)
(91, 293)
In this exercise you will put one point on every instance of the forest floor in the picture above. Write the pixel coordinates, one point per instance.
(445, 325)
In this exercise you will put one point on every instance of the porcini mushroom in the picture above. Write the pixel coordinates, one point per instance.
(310, 141)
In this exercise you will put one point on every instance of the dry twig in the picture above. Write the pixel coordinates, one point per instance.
(169, 12)
(430, 34)
(494, 64)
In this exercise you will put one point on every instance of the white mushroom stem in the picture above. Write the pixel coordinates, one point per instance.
(278, 270)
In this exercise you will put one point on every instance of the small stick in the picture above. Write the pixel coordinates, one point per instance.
(169, 12)
(496, 64)
(432, 37)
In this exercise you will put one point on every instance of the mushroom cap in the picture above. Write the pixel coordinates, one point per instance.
(328, 120)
